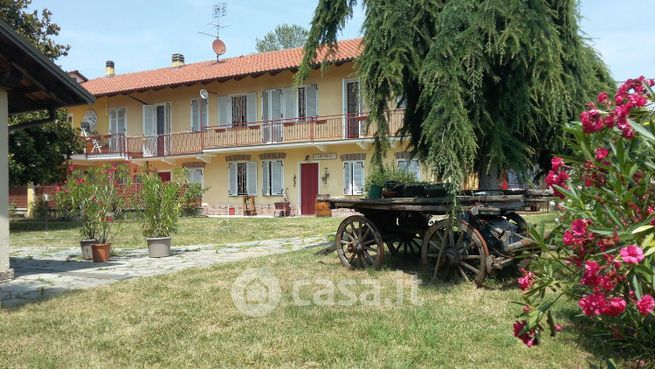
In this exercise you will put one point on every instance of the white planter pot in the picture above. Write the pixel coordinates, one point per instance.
(159, 247)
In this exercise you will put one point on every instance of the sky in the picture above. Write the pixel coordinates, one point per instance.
(142, 34)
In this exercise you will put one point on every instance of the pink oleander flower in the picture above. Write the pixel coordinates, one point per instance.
(525, 282)
(602, 97)
(646, 305)
(632, 254)
(601, 153)
(556, 162)
(528, 338)
(568, 238)
(614, 307)
(593, 304)
(579, 227)
(558, 328)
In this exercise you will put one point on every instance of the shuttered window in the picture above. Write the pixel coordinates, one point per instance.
(242, 178)
(199, 113)
(272, 177)
(353, 177)
(196, 175)
(306, 101)
(411, 166)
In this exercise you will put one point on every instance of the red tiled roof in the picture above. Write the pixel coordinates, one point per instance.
(211, 70)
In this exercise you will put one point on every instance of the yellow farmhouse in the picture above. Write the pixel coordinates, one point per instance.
(240, 128)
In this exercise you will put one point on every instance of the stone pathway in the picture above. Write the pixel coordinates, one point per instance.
(43, 273)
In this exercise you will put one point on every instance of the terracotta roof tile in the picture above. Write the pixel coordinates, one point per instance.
(211, 70)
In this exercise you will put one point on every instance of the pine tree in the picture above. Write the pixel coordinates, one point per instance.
(487, 84)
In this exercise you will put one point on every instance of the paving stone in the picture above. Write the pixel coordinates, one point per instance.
(43, 273)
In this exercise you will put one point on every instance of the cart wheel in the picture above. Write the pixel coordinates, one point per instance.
(408, 244)
(519, 221)
(454, 249)
(359, 243)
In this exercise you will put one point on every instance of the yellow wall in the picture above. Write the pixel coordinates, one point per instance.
(330, 102)
(329, 99)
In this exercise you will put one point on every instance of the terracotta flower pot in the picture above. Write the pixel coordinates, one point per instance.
(101, 252)
(86, 250)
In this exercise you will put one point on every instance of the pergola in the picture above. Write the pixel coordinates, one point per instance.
(29, 81)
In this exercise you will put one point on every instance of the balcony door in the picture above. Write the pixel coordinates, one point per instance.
(162, 119)
(156, 129)
(272, 115)
(117, 129)
(353, 109)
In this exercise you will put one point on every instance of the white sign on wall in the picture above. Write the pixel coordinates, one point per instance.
(331, 156)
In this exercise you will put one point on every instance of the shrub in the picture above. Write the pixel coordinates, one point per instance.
(603, 252)
(162, 204)
(93, 195)
(379, 175)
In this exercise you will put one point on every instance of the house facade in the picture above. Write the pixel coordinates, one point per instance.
(240, 127)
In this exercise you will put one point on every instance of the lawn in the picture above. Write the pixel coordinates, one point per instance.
(192, 231)
(188, 319)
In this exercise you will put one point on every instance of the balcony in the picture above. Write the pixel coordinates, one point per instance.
(308, 130)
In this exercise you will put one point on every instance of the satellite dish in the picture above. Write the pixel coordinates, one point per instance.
(204, 94)
(219, 46)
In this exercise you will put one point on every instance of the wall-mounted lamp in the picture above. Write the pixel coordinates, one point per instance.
(325, 176)
(306, 157)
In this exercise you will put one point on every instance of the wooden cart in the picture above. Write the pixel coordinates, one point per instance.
(486, 234)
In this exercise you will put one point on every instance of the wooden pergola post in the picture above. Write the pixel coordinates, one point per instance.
(5, 271)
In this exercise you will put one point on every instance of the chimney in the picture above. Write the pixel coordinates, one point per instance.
(177, 60)
(109, 69)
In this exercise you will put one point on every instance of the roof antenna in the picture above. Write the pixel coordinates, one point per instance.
(219, 11)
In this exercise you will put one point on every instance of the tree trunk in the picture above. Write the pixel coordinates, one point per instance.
(488, 176)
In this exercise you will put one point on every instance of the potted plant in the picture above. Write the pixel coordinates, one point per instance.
(162, 205)
(191, 197)
(387, 180)
(74, 200)
(375, 182)
(105, 205)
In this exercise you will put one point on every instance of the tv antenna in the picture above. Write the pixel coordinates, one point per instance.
(219, 11)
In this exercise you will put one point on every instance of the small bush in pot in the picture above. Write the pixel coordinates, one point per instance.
(162, 207)
(387, 178)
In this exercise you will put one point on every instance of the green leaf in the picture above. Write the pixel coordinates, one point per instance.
(636, 286)
(643, 228)
(647, 134)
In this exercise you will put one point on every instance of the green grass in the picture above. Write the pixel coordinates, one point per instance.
(192, 231)
(187, 319)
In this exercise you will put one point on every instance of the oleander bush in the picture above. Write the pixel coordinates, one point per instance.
(602, 254)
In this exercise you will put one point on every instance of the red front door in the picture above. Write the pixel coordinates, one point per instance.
(308, 188)
(165, 176)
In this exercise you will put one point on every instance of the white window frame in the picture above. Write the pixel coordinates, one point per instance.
(201, 101)
(351, 165)
(115, 110)
(406, 165)
(267, 187)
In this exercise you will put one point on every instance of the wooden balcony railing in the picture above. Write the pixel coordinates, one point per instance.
(309, 129)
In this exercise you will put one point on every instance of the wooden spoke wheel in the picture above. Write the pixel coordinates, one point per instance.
(519, 221)
(407, 244)
(454, 249)
(359, 243)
